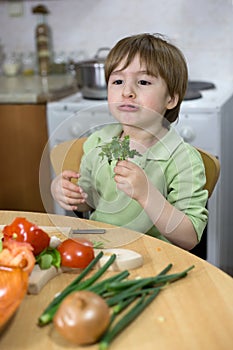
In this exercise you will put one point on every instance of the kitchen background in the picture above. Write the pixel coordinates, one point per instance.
(34, 114)
(202, 29)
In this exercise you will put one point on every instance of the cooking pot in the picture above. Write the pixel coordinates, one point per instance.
(90, 76)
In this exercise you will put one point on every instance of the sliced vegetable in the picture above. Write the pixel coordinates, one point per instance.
(21, 230)
(17, 254)
(117, 149)
(82, 317)
(74, 254)
(54, 242)
(49, 257)
(13, 287)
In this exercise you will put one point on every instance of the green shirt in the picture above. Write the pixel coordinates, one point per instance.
(173, 166)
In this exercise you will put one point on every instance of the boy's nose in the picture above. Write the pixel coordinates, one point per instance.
(128, 92)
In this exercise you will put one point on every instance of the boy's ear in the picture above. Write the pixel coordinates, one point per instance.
(172, 101)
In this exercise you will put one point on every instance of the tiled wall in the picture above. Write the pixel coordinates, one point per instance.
(202, 29)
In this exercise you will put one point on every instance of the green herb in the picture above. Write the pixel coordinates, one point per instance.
(49, 257)
(97, 244)
(118, 149)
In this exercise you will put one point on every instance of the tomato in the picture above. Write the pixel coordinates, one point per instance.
(75, 254)
(22, 230)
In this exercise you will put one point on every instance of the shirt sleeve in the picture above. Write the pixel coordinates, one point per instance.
(186, 180)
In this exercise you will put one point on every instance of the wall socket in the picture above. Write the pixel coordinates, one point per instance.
(15, 8)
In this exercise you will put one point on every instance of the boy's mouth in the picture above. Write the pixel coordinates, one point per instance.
(128, 107)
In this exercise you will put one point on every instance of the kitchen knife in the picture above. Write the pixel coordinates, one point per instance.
(88, 231)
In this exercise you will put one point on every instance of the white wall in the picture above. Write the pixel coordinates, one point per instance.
(202, 29)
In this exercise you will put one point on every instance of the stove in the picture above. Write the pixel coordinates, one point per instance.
(195, 87)
(205, 122)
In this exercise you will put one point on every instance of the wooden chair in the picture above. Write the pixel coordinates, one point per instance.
(67, 156)
(212, 170)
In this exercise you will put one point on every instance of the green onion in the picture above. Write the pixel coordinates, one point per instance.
(128, 293)
(101, 287)
(127, 287)
(127, 319)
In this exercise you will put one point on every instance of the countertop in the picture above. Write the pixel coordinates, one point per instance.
(35, 89)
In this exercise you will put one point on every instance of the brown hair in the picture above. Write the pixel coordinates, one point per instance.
(161, 58)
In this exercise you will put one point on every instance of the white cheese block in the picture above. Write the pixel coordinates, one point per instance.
(125, 259)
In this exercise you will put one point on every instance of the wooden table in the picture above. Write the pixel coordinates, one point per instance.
(195, 313)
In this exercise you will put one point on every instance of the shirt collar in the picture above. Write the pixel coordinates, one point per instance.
(165, 147)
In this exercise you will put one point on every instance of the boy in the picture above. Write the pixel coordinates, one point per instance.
(160, 193)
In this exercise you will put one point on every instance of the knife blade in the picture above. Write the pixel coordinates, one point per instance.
(89, 231)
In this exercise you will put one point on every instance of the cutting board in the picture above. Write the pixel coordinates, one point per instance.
(125, 260)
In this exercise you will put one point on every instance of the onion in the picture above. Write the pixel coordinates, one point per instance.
(82, 317)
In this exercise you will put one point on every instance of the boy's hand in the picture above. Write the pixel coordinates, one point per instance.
(67, 194)
(131, 179)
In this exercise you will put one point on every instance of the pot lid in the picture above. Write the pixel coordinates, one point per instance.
(98, 60)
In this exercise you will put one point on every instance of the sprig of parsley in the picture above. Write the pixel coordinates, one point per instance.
(118, 149)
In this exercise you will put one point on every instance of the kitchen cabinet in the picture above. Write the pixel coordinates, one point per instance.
(24, 136)
(22, 141)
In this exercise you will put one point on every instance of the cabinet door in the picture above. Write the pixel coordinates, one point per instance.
(22, 141)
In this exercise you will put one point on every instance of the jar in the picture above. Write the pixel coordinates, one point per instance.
(11, 65)
(28, 64)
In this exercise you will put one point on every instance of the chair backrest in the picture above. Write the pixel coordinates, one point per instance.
(67, 156)
(212, 170)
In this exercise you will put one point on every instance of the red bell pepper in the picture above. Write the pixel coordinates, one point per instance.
(22, 230)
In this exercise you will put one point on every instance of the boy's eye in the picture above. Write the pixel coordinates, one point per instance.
(117, 82)
(144, 82)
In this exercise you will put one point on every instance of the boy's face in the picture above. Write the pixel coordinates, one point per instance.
(132, 90)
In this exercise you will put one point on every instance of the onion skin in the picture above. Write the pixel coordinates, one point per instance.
(82, 317)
